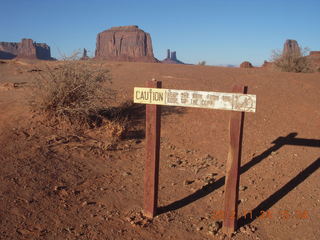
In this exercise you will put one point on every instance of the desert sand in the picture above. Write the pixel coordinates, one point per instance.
(54, 185)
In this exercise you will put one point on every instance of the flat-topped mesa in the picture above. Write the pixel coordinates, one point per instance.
(314, 53)
(291, 47)
(126, 28)
(8, 50)
(125, 43)
(314, 57)
(25, 49)
(246, 64)
(266, 64)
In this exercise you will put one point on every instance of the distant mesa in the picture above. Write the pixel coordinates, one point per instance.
(266, 64)
(246, 64)
(171, 58)
(125, 43)
(314, 53)
(27, 48)
(291, 47)
(314, 57)
(84, 55)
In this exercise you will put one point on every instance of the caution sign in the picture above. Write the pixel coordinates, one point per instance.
(200, 99)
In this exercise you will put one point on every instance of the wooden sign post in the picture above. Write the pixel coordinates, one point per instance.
(154, 96)
(232, 170)
(151, 176)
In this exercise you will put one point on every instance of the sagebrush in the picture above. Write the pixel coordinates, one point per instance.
(74, 91)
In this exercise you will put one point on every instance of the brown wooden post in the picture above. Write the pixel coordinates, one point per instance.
(151, 176)
(232, 169)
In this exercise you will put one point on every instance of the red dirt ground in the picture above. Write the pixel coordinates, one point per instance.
(59, 185)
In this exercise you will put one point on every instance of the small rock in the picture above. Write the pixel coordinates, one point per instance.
(222, 236)
(242, 188)
(214, 227)
(199, 228)
(24, 231)
(243, 230)
(188, 182)
(208, 157)
(76, 192)
(63, 193)
(179, 162)
(253, 229)
(126, 174)
(58, 188)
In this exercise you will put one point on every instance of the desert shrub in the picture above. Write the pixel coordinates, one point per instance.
(295, 62)
(73, 91)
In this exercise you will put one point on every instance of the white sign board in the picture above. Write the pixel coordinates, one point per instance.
(200, 99)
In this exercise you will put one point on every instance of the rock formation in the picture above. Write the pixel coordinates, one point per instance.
(291, 47)
(43, 51)
(266, 64)
(314, 58)
(8, 50)
(314, 53)
(84, 55)
(246, 64)
(25, 49)
(126, 43)
(171, 58)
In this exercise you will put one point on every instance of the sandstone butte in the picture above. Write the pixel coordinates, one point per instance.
(126, 43)
(171, 58)
(291, 47)
(246, 64)
(27, 48)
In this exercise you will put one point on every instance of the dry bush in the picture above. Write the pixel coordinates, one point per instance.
(108, 135)
(115, 125)
(297, 63)
(73, 91)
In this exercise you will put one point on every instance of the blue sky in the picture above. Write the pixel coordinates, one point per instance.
(218, 32)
